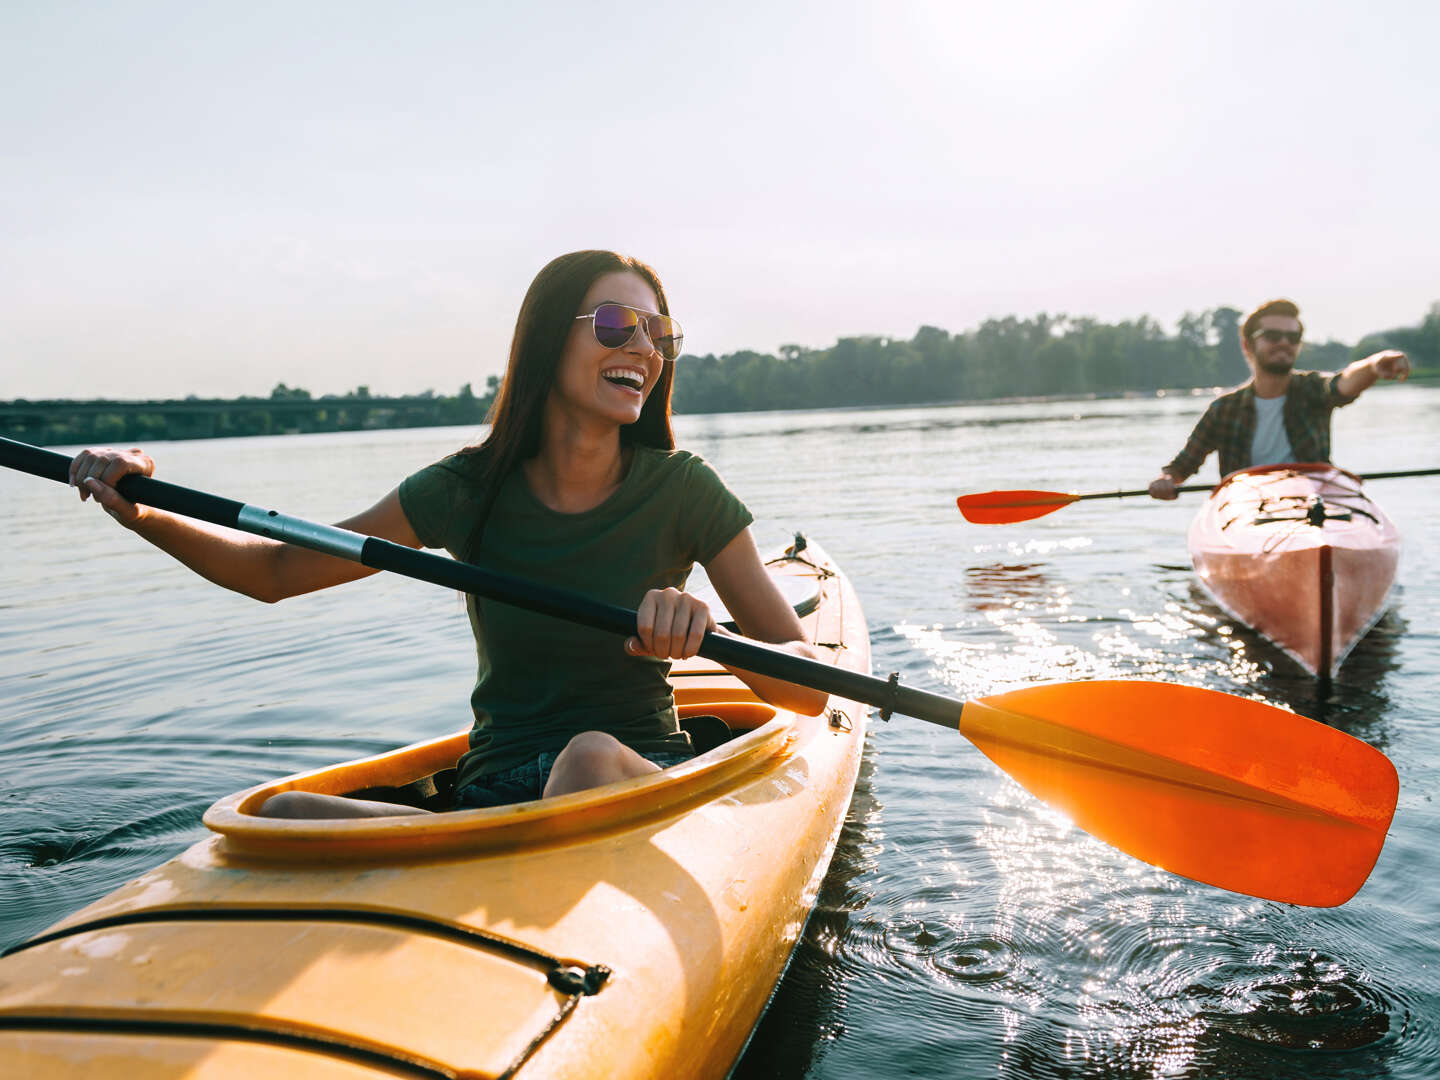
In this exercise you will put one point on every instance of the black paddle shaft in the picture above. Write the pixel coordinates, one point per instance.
(1211, 487)
(469, 578)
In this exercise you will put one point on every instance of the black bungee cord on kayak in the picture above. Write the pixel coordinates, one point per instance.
(573, 979)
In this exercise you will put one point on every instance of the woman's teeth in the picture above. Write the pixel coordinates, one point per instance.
(633, 380)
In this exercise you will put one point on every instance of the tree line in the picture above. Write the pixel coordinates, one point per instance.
(286, 411)
(1045, 355)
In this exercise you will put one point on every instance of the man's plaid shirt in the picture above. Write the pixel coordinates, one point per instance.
(1229, 425)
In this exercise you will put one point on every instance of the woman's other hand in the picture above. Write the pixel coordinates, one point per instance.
(670, 624)
(96, 472)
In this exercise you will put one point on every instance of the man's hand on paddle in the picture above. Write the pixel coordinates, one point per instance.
(1163, 487)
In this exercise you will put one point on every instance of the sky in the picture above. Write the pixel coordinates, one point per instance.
(210, 199)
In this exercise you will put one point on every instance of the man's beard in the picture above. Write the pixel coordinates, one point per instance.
(1276, 365)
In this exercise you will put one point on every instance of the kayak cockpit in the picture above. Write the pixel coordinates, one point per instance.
(748, 736)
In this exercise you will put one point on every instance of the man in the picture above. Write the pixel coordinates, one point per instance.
(1281, 414)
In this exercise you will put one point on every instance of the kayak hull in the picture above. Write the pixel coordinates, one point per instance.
(634, 930)
(1299, 554)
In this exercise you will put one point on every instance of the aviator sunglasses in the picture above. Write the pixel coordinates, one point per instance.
(1270, 337)
(615, 325)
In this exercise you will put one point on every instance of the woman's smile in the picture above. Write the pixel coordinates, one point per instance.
(627, 377)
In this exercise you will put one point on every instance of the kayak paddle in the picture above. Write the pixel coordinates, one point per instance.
(1007, 507)
(1207, 785)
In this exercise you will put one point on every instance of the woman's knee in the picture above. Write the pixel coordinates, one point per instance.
(590, 759)
(592, 752)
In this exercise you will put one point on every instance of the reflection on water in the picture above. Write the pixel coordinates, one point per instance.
(1358, 699)
(1354, 701)
(964, 929)
(998, 586)
(807, 1012)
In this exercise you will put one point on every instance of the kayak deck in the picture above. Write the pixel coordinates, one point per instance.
(632, 930)
(1299, 554)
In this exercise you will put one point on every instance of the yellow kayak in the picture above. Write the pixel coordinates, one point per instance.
(634, 930)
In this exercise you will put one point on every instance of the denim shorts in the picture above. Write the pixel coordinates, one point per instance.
(522, 783)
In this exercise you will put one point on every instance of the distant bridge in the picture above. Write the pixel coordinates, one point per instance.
(199, 418)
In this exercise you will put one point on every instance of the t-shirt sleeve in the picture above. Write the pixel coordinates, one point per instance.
(714, 515)
(430, 499)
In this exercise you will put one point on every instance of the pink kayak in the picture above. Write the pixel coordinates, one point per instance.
(1300, 554)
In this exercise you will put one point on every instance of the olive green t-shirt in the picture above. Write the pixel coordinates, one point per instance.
(542, 680)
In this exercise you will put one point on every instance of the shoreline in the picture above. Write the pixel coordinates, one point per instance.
(147, 417)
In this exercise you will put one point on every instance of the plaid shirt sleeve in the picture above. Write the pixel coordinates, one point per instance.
(1319, 391)
(1204, 439)
(1332, 391)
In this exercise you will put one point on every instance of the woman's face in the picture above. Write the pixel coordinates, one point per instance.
(596, 383)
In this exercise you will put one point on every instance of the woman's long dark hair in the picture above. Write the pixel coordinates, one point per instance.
(546, 317)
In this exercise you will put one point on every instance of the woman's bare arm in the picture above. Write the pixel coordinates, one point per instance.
(761, 612)
(263, 569)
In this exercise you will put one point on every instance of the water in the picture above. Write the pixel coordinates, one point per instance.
(964, 929)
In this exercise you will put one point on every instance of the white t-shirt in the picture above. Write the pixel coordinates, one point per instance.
(1271, 446)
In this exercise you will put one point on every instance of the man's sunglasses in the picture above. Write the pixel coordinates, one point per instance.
(1271, 337)
(615, 325)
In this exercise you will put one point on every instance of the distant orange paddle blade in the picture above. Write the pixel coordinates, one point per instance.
(1004, 507)
(1207, 785)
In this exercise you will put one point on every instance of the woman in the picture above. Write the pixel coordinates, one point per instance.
(577, 485)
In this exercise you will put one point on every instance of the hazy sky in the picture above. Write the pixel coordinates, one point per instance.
(210, 198)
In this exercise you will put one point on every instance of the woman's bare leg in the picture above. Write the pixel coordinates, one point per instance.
(593, 758)
(307, 804)
(590, 759)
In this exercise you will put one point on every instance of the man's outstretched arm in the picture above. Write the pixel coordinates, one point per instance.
(1363, 374)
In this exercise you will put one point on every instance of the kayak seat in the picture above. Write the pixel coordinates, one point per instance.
(434, 792)
(437, 791)
(706, 731)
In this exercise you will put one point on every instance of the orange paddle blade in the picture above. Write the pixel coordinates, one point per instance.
(1004, 507)
(1213, 787)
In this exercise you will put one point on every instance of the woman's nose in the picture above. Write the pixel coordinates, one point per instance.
(640, 342)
